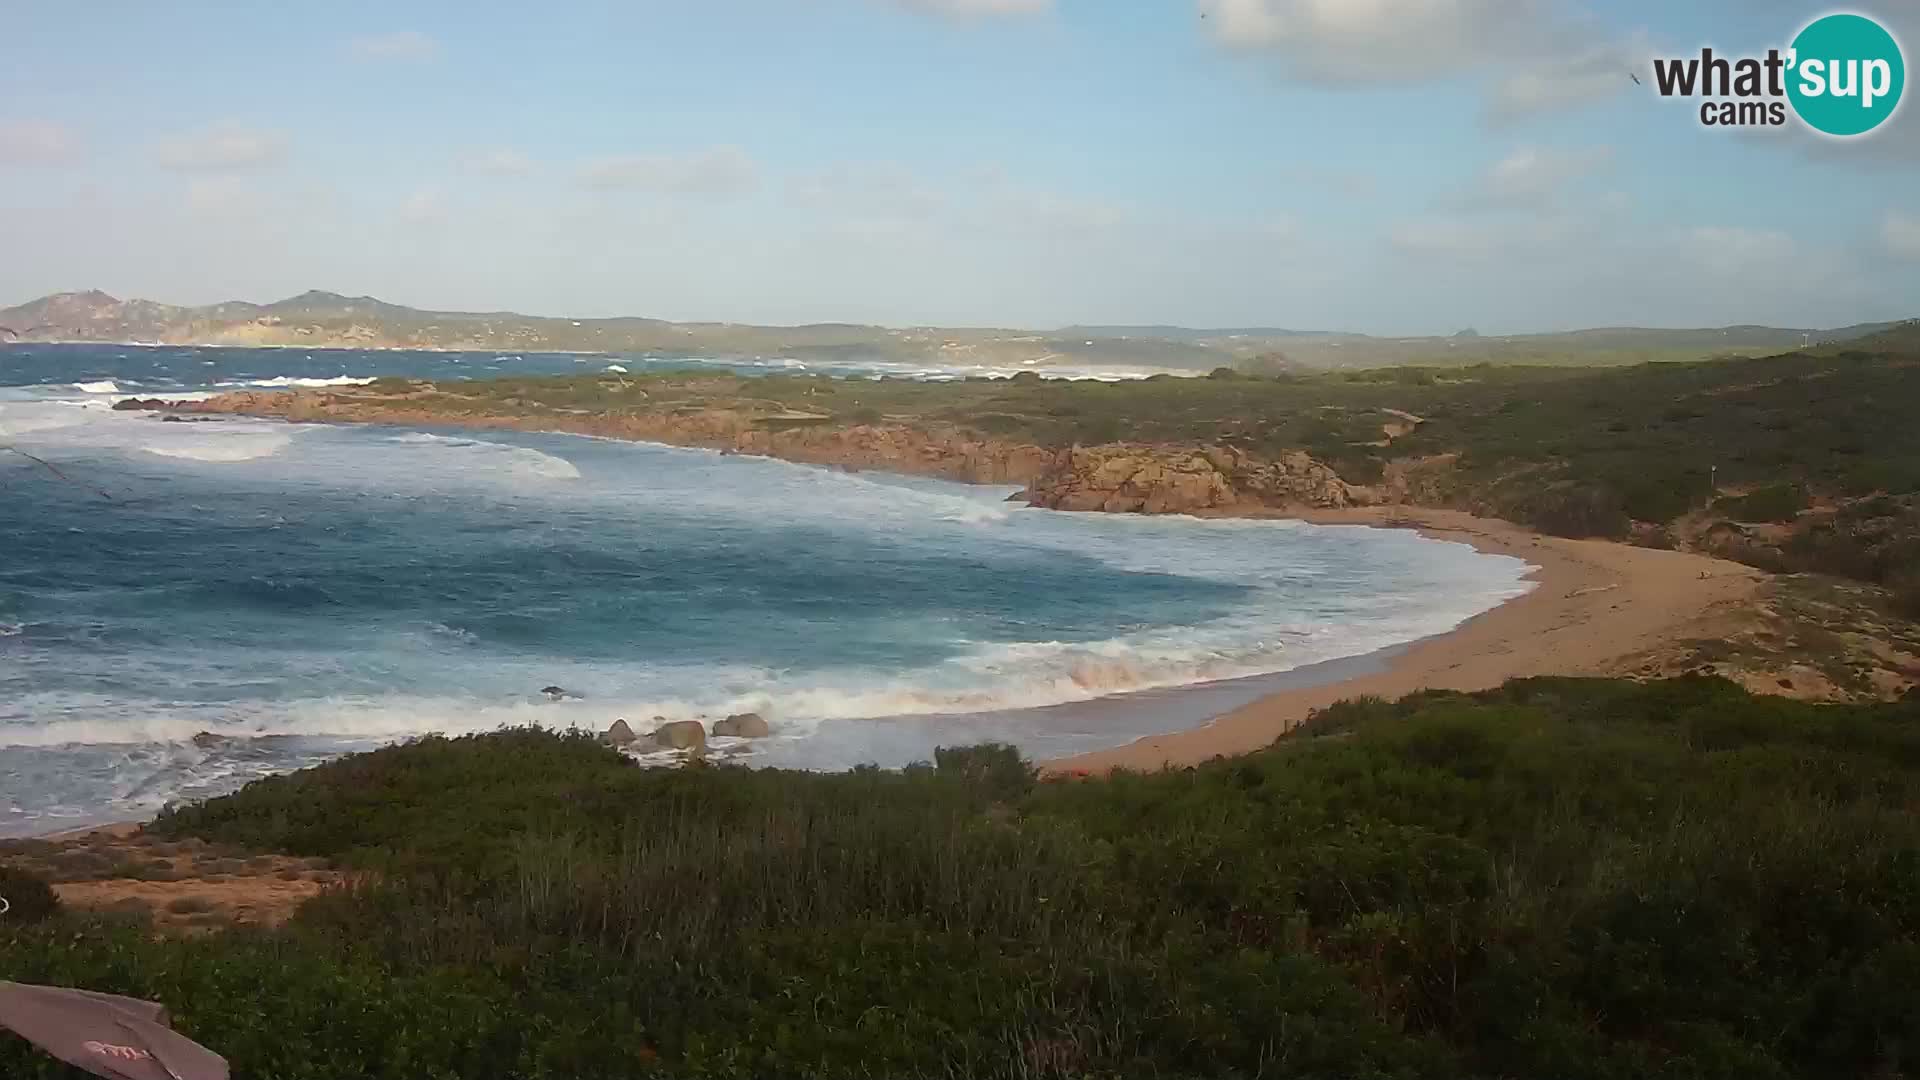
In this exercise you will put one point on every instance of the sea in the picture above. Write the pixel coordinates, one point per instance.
(187, 606)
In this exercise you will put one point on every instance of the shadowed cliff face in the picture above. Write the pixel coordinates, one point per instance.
(1115, 477)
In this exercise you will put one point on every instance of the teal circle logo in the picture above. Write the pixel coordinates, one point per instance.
(1846, 75)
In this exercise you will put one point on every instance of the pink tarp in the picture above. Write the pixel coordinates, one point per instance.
(116, 1037)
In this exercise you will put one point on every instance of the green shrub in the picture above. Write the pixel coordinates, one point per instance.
(992, 768)
(1579, 512)
(1778, 502)
(1561, 877)
(28, 897)
(1906, 596)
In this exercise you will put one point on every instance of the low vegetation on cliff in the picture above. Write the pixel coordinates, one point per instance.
(1797, 462)
(1560, 878)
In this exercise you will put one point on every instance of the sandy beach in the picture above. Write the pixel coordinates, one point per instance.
(1599, 608)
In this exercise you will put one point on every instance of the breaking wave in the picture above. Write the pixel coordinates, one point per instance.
(357, 585)
(292, 380)
(516, 460)
(223, 449)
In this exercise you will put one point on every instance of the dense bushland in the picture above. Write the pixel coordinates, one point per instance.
(1566, 878)
(25, 896)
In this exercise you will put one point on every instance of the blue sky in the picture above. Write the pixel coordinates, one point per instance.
(1390, 166)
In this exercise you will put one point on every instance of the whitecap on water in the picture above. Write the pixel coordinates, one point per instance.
(22, 419)
(292, 380)
(517, 460)
(222, 449)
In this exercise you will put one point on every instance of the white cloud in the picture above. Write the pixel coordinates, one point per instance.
(866, 188)
(1382, 40)
(425, 206)
(1537, 55)
(720, 170)
(1533, 176)
(1535, 239)
(398, 45)
(499, 161)
(1570, 80)
(220, 195)
(222, 149)
(37, 142)
(1347, 183)
(1276, 226)
(1449, 238)
(1900, 234)
(965, 9)
(1738, 251)
(1052, 210)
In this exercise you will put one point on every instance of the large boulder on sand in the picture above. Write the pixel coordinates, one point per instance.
(681, 735)
(748, 725)
(620, 734)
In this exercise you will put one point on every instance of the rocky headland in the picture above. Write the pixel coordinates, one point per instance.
(1113, 477)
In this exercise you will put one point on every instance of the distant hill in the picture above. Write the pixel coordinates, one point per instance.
(1185, 333)
(1898, 339)
(330, 320)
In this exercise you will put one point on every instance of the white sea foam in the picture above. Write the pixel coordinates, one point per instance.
(21, 419)
(989, 677)
(519, 461)
(104, 386)
(223, 448)
(1300, 595)
(616, 368)
(292, 380)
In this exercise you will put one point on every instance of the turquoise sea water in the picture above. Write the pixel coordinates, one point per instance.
(310, 589)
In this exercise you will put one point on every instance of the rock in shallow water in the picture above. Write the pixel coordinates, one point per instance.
(742, 726)
(681, 735)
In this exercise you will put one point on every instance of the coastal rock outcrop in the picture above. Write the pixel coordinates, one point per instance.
(1114, 477)
(1126, 478)
(742, 726)
(620, 734)
(681, 735)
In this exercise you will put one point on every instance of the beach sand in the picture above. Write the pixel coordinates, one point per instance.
(187, 886)
(1599, 608)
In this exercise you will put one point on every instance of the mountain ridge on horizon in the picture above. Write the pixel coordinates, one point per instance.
(321, 319)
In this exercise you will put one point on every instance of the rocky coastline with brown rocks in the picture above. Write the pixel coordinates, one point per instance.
(1113, 477)
(1601, 608)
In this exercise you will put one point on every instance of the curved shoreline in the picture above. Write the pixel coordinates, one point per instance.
(1599, 608)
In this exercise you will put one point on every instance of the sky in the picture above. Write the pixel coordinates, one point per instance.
(1381, 166)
